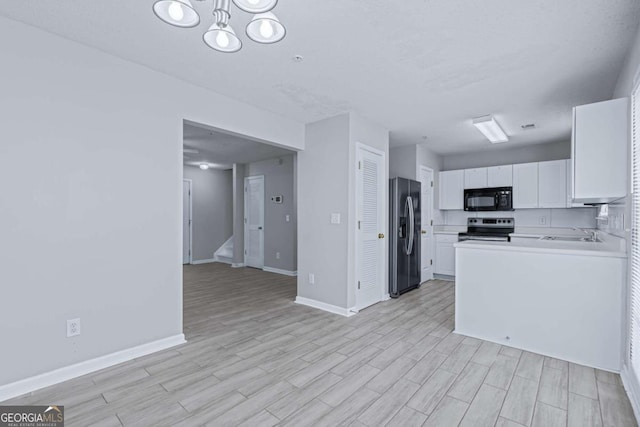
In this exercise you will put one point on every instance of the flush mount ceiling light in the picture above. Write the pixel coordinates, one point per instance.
(204, 166)
(490, 129)
(264, 28)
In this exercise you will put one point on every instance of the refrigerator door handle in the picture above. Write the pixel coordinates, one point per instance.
(407, 234)
(411, 225)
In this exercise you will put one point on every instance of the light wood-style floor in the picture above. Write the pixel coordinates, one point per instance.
(254, 358)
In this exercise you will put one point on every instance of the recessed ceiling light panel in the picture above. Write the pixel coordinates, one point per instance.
(490, 129)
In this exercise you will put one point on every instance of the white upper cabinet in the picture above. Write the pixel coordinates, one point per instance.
(599, 151)
(475, 178)
(500, 176)
(525, 185)
(552, 184)
(451, 190)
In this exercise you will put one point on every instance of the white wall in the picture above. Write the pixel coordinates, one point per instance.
(323, 248)
(279, 235)
(372, 135)
(94, 229)
(495, 155)
(212, 204)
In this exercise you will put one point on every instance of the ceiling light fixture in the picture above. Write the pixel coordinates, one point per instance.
(490, 129)
(264, 28)
(204, 166)
(179, 13)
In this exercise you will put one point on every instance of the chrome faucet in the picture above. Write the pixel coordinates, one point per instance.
(593, 234)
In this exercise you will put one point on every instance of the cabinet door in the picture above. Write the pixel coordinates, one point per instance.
(525, 186)
(500, 176)
(451, 195)
(599, 151)
(475, 178)
(445, 259)
(552, 184)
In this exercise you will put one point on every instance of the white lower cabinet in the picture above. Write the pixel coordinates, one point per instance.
(446, 254)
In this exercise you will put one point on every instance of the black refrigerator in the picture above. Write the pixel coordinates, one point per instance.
(404, 247)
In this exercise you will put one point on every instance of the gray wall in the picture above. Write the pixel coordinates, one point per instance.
(102, 202)
(323, 171)
(368, 133)
(212, 204)
(402, 162)
(279, 235)
(496, 156)
(238, 213)
(324, 249)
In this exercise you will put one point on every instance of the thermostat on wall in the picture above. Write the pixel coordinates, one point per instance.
(276, 199)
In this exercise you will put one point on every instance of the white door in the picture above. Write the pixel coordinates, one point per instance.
(370, 215)
(186, 221)
(254, 221)
(426, 241)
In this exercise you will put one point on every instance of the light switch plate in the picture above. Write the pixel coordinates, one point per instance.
(335, 218)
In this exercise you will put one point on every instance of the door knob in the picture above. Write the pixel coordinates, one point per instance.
(424, 231)
(380, 236)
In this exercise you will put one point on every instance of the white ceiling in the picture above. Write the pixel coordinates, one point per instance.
(417, 67)
(220, 150)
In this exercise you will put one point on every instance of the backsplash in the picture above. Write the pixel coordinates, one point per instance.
(616, 221)
(561, 218)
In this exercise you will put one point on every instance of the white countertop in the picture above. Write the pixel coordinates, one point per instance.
(449, 229)
(538, 232)
(600, 249)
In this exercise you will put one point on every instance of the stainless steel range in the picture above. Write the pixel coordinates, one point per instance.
(488, 229)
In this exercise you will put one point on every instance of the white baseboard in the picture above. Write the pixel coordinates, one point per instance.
(203, 261)
(324, 306)
(238, 265)
(279, 271)
(47, 379)
(632, 388)
(216, 258)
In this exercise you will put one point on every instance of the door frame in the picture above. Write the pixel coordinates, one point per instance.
(246, 234)
(190, 182)
(432, 244)
(384, 286)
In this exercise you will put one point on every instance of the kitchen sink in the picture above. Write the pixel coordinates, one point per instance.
(571, 239)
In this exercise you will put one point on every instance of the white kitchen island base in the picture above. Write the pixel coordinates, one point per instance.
(564, 305)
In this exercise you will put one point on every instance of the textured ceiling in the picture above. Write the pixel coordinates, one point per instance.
(417, 67)
(221, 150)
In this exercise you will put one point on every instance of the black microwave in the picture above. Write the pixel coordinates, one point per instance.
(489, 199)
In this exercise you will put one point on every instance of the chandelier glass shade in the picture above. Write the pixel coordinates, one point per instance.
(256, 6)
(222, 39)
(264, 28)
(179, 13)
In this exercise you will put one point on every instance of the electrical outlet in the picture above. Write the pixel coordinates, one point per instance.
(335, 218)
(277, 255)
(312, 278)
(287, 218)
(73, 327)
(542, 220)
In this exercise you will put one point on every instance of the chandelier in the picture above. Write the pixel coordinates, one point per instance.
(264, 27)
